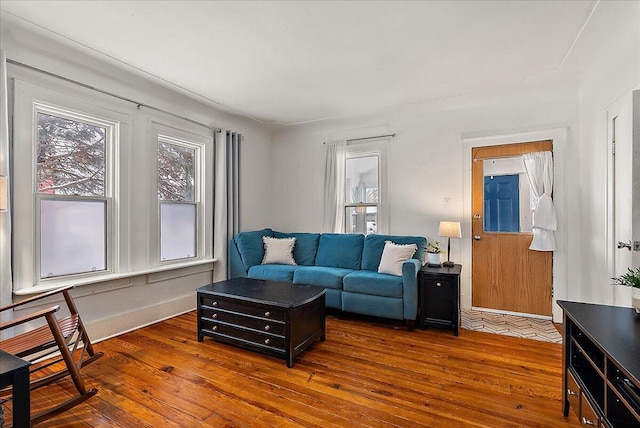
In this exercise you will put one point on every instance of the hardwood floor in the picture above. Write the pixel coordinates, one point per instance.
(366, 373)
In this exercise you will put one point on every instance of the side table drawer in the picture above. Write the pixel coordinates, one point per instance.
(254, 323)
(238, 334)
(235, 306)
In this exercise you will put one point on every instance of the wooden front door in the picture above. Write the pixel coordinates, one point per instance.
(506, 275)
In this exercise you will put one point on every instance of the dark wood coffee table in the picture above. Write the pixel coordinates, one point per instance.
(274, 318)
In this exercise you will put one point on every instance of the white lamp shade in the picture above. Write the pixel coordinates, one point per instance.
(450, 229)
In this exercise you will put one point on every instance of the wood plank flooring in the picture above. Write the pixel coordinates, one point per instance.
(367, 373)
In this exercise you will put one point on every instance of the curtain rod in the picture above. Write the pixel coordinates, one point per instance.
(93, 88)
(367, 138)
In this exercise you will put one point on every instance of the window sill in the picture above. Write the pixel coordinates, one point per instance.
(36, 289)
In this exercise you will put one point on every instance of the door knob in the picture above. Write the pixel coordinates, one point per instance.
(626, 245)
(476, 237)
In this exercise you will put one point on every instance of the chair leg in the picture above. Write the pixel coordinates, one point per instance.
(66, 354)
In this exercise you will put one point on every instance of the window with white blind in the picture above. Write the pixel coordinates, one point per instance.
(178, 200)
(73, 192)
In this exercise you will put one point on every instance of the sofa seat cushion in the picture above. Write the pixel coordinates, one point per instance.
(341, 250)
(373, 283)
(374, 246)
(328, 277)
(304, 252)
(251, 247)
(282, 273)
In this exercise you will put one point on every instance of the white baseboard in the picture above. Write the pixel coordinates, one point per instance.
(124, 322)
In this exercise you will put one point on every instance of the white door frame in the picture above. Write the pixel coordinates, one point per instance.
(620, 295)
(559, 138)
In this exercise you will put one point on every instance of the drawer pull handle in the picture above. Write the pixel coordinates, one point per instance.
(214, 328)
(438, 284)
(214, 316)
(267, 341)
(267, 314)
(267, 328)
(215, 303)
(570, 392)
(586, 421)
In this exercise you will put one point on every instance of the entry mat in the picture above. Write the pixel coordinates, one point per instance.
(510, 325)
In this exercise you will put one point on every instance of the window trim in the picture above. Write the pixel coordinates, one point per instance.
(184, 138)
(134, 173)
(110, 190)
(28, 100)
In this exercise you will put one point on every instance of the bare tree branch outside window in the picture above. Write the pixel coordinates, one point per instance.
(71, 157)
(176, 172)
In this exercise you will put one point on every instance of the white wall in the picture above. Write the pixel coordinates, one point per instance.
(115, 306)
(610, 47)
(425, 159)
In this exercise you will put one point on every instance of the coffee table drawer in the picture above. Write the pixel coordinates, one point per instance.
(254, 323)
(255, 309)
(239, 334)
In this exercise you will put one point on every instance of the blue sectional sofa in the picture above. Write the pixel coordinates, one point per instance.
(346, 265)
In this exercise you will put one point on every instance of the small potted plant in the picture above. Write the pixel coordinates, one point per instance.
(433, 253)
(631, 279)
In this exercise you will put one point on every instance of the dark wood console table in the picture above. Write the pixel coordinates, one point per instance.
(601, 369)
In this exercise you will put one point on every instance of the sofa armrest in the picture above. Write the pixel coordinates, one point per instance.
(410, 270)
(236, 268)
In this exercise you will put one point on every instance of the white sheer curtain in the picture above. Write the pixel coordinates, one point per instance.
(334, 186)
(5, 217)
(539, 167)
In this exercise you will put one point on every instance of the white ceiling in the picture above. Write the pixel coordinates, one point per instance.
(293, 62)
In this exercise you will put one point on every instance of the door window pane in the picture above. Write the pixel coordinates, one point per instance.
(70, 157)
(507, 202)
(177, 231)
(72, 237)
(176, 172)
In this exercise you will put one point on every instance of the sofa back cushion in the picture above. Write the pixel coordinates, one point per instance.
(340, 250)
(374, 245)
(251, 247)
(306, 246)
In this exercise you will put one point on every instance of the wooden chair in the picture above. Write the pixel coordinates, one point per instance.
(66, 336)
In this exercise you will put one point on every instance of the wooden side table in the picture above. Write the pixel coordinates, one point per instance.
(439, 297)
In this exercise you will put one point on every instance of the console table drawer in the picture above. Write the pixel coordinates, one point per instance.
(254, 323)
(238, 334)
(588, 416)
(256, 310)
(573, 393)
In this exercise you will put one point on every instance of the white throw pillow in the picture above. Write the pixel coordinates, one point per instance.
(278, 250)
(393, 256)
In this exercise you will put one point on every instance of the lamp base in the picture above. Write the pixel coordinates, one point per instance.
(448, 264)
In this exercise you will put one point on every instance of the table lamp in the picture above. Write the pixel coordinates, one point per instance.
(449, 229)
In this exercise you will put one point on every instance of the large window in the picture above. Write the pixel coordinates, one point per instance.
(73, 192)
(102, 191)
(362, 193)
(178, 190)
